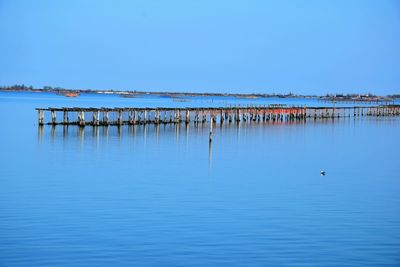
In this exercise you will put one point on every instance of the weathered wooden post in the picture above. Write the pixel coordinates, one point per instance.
(119, 117)
(81, 118)
(53, 117)
(65, 117)
(145, 117)
(157, 116)
(134, 117)
(130, 117)
(40, 117)
(96, 116)
(93, 118)
(175, 116)
(187, 116)
(105, 117)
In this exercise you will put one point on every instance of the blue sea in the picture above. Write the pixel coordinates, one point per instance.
(163, 196)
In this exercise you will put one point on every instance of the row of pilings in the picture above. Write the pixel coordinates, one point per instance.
(133, 116)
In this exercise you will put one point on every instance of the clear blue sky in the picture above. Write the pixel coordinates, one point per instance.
(310, 47)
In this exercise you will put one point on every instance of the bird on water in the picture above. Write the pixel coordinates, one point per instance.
(322, 173)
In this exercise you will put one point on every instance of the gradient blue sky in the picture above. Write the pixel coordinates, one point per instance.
(310, 47)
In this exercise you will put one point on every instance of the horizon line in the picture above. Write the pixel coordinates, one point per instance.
(22, 87)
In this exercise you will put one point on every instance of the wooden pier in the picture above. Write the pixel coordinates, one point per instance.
(132, 116)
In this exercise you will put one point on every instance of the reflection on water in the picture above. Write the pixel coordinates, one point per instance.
(100, 135)
(131, 131)
(209, 155)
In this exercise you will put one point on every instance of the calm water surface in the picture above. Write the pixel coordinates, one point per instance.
(147, 196)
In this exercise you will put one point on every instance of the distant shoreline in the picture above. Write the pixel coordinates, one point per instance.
(77, 92)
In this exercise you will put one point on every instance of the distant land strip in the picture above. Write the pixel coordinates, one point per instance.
(367, 97)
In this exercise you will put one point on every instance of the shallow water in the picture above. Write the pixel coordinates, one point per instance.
(150, 196)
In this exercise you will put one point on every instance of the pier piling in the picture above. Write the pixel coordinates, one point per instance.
(202, 115)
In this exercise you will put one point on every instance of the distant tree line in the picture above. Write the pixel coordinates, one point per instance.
(17, 87)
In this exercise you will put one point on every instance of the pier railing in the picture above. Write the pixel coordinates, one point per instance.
(131, 116)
